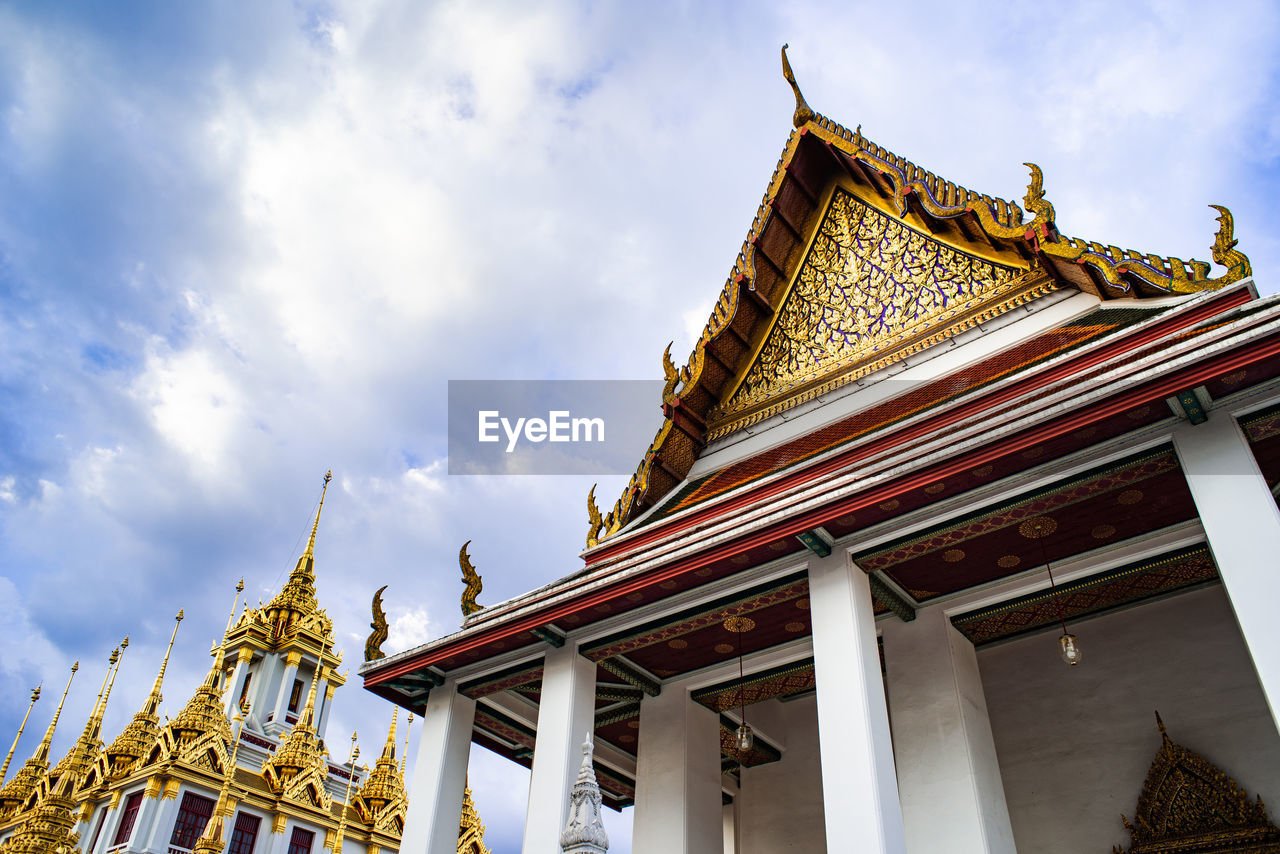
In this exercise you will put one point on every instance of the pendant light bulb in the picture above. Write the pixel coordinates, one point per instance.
(746, 738)
(1070, 648)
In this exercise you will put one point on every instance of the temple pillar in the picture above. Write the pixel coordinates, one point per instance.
(440, 772)
(566, 713)
(278, 723)
(678, 800)
(1242, 524)
(859, 786)
(157, 824)
(948, 774)
(326, 699)
(236, 685)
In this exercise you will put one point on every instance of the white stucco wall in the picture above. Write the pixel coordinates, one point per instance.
(1075, 744)
(780, 804)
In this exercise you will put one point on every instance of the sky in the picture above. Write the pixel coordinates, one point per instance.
(243, 243)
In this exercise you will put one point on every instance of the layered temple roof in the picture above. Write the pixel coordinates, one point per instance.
(856, 259)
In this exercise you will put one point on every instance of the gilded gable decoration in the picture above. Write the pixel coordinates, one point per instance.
(472, 581)
(918, 216)
(373, 644)
(297, 770)
(1189, 806)
(871, 287)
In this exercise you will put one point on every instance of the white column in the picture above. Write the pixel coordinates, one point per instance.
(948, 774)
(237, 680)
(678, 802)
(1242, 524)
(325, 692)
(565, 716)
(278, 722)
(439, 773)
(859, 787)
(161, 827)
(729, 828)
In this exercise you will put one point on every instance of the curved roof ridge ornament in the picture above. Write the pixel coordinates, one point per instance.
(803, 113)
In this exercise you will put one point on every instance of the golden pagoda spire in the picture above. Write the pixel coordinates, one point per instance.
(346, 801)
(128, 748)
(24, 782)
(71, 770)
(300, 752)
(4, 769)
(310, 553)
(203, 712)
(385, 784)
(297, 598)
(408, 725)
(211, 841)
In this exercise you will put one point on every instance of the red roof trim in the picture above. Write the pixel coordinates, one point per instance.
(1156, 390)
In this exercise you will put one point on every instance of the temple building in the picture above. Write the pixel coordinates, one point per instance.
(243, 768)
(944, 507)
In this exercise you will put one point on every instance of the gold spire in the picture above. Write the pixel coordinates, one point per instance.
(384, 786)
(42, 752)
(408, 725)
(211, 841)
(4, 770)
(296, 600)
(309, 554)
(71, 770)
(346, 801)
(24, 782)
(129, 747)
(203, 713)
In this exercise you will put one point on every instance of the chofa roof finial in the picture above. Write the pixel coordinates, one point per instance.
(802, 114)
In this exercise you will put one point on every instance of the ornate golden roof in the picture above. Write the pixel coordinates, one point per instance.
(297, 770)
(202, 724)
(28, 777)
(130, 747)
(470, 827)
(381, 801)
(4, 769)
(908, 211)
(1189, 805)
(48, 830)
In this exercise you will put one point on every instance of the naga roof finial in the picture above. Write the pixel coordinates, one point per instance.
(803, 113)
(471, 578)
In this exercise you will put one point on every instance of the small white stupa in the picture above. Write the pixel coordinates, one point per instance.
(584, 831)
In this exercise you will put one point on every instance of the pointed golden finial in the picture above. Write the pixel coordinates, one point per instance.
(404, 758)
(308, 711)
(4, 770)
(42, 752)
(156, 698)
(594, 520)
(389, 749)
(315, 526)
(802, 114)
(472, 580)
(100, 713)
(373, 644)
(346, 801)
